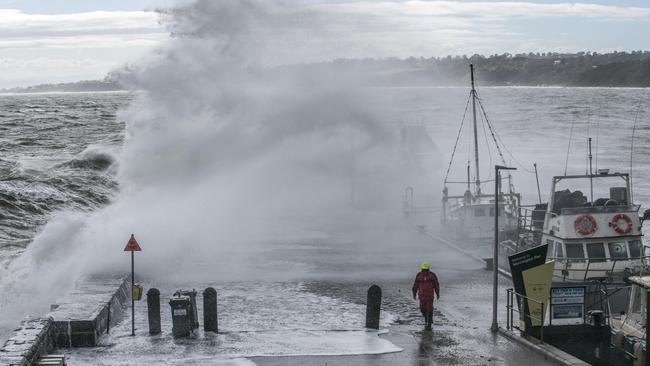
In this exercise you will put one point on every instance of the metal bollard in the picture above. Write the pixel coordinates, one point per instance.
(153, 308)
(210, 319)
(373, 307)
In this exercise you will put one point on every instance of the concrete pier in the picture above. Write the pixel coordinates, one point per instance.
(83, 315)
(34, 338)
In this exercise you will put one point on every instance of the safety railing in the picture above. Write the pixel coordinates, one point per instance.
(607, 266)
(511, 308)
(526, 221)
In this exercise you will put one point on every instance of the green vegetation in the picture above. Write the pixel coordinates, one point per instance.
(617, 69)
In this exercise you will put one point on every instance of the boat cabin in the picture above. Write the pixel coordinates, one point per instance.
(597, 236)
(471, 216)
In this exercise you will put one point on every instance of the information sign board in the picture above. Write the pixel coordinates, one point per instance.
(568, 304)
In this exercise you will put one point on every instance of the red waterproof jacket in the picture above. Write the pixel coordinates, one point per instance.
(426, 284)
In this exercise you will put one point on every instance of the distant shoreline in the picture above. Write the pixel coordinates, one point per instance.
(124, 91)
(553, 70)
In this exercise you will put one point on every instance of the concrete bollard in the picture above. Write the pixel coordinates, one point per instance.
(373, 307)
(153, 308)
(210, 319)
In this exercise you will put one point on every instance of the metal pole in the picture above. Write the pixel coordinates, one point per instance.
(647, 323)
(478, 179)
(539, 193)
(591, 175)
(132, 299)
(352, 166)
(495, 258)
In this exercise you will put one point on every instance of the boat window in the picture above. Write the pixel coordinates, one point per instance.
(574, 251)
(635, 249)
(617, 250)
(479, 211)
(596, 252)
(559, 250)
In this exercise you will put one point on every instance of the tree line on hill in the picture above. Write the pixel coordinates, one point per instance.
(616, 69)
(590, 69)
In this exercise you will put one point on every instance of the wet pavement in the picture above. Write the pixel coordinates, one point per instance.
(389, 258)
(318, 318)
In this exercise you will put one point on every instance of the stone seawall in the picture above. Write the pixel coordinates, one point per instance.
(34, 338)
(77, 320)
(88, 311)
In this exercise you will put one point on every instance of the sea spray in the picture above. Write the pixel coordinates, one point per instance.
(224, 153)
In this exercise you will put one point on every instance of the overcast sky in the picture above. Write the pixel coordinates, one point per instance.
(69, 40)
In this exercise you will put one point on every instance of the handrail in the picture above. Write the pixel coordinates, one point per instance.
(568, 265)
(510, 309)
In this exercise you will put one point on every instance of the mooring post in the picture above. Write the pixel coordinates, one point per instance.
(373, 307)
(108, 318)
(153, 308)
(210, 318)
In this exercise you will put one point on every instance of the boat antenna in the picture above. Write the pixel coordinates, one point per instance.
(469, 180)
(636, 118)
(591, 174)
(478, 179)
(568, 148)
(539, 193)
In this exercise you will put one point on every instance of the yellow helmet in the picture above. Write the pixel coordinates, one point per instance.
(424, 265)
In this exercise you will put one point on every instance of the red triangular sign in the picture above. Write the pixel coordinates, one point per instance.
(132, 245)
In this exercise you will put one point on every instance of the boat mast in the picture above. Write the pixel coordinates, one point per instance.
(591, 174)
(478, 179)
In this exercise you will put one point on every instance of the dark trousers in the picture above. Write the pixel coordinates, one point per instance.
(428, 317)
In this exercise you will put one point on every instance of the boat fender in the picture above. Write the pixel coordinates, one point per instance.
(585, 225)
(621, 223)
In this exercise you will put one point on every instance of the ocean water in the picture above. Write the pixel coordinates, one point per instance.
(57, 152)
(63, 154)
(60, 151)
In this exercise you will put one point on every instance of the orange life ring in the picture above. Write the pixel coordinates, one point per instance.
(585, 224)
(618, 227)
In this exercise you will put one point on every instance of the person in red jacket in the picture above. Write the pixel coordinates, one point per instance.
(426, 284)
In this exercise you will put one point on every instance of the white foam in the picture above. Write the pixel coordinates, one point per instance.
(275, 319)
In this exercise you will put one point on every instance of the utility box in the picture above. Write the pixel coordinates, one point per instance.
(194, 315)
(182, 323)
(618, 194)
(137, 292)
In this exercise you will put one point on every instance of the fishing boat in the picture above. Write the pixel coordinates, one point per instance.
(595, 240)
(468, 218)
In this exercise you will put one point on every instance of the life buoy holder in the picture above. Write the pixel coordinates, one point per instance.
(585, 225)
(621, 223)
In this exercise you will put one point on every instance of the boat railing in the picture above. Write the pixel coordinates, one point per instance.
(526, 221)
(588, 265)
(600, 209)
(511, 309)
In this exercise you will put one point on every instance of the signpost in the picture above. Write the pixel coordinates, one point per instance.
(132, 246)
(495, 258)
